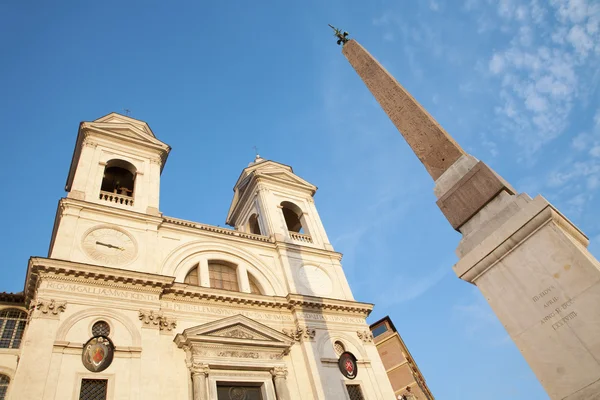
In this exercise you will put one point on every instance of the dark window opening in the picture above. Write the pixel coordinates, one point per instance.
(379, 330)
(254, 288)
(292, 215)
(119, 177)
(4, 381)
(234, 392)
(93, 389)
(354, 392)
(223, 275)
(12, 326)
(101, 328)
(253, 224)
(192, 277)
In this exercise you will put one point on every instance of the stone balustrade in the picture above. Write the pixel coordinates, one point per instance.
(299, 237)
(116, 198)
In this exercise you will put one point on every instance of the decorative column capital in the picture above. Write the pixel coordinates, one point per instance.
(279, 372)
(156, 319)
(150, 319)
(199, 369)
(301, 333)
(46, 308)
(365, 336)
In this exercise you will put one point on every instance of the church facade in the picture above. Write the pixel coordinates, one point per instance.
(132, 304)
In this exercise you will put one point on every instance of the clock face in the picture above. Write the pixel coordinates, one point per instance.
(109, 245)
(315, 280)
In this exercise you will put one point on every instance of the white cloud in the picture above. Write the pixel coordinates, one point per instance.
(497, 63)
(433, 5)
(544, 68)
(580, 40)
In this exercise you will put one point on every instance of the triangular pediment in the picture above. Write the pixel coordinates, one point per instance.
(268, 171)
(115, 118)
(123, 126)
(237, 329)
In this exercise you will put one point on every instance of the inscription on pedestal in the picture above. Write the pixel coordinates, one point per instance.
(558, 311)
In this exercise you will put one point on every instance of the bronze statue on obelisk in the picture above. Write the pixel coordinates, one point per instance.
(529, 261)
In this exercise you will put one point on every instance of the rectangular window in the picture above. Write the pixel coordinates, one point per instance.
(354, 392)
(379, 330)
(228, 392)
(93, 389)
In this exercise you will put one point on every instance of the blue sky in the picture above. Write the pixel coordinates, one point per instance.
(514, 81)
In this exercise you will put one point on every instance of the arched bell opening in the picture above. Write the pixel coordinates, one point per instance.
(119, 178)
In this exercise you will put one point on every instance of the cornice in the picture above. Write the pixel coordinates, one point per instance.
(190, 226)
(512, 234)
(168, 289)
(191, 293)
(302, 302)
(108, 210)
(90, 274)
(308, 250)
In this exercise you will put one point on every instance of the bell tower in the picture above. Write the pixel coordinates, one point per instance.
(117, 162)
(270, 200)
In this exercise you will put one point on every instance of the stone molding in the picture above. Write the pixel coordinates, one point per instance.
(517, 228)
(151, 319)
(43, 307)
(365, 336)
(165, 286)
(44, 268)
(301, 333)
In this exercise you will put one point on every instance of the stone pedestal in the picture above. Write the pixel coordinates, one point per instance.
(532, 266)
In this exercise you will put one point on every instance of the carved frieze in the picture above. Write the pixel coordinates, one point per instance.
(238, 354)
(365, 336)
(43, 307)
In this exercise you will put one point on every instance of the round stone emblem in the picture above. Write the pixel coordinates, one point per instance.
(98, 353)
(347, 365)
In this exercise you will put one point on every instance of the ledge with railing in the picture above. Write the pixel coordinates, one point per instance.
(300, 237)
(116, 198)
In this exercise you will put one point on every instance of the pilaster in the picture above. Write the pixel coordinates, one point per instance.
(36, 350)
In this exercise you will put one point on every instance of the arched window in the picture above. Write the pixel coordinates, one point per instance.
(119, 177)
(223, 275)
(12, 325)
(254, 288)
(339, 347)
(4, 381)
(192, 276)
(293, 217)
(253, 224)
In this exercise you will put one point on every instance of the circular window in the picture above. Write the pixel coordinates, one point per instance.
(339, 347)
(101, 328)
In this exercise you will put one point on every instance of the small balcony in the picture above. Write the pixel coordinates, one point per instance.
(299, 237)
(116, 198)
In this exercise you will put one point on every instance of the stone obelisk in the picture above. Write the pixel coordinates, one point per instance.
(529, 261)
